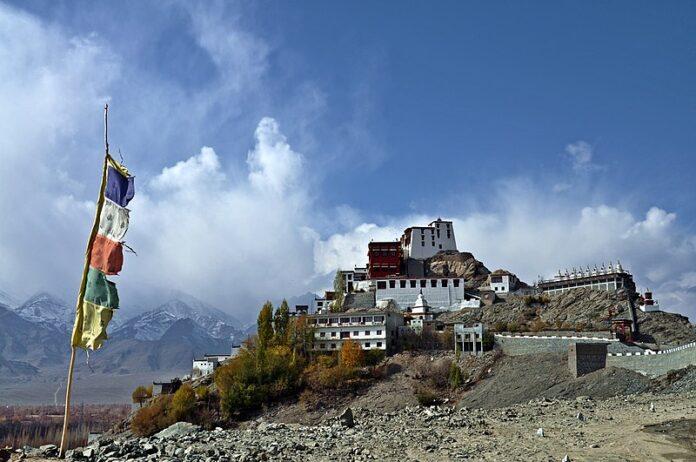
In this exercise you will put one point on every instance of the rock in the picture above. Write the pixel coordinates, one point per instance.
(346, 418)
(178, 430)
(540, 432)
(566, 458)
(652, 407)
(49, 450)
(5, 454)
(580, 417)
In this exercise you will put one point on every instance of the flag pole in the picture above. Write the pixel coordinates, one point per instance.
(81, 295)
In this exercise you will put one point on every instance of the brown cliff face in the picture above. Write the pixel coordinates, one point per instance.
(458, 264)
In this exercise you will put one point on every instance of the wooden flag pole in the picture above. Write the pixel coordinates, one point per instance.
(81, 295)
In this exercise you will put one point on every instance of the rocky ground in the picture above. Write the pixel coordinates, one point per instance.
(637, 427)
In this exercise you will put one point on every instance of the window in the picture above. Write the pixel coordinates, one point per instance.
(392, 284)
(322, 345)
(333, 346)
(333, 320)
(496, 279)
(379, 344)
(367, 319)
(379, 318)
(333, 334)
(356, 333)
(379, 332)
(444, 282)
(402, 284)
(367, 332)
(440, 245)
(322, 320)
(355, 319)
(345, 334)
(413, 283)
(367, 344)
(422, 243)
(345, 320)
(433, 283)
(322, 334)
(422, 283)
(381, 285)
(456, 282)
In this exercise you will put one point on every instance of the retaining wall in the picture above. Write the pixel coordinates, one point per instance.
(517, 345)
(654, 363)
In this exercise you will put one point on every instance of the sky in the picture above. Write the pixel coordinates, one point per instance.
(272, 140)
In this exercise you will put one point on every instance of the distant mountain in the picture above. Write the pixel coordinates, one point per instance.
(46, 310)
(152, 325)
(304, 299)
(8, 300)
(173, 351)
(31, 343)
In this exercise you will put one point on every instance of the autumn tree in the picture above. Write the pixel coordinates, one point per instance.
(140, 395)
(339, 286)
(280, 323)
(264, 325)
(351, 355)
(184, 402)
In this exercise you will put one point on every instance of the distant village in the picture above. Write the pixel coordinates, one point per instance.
(394, 296)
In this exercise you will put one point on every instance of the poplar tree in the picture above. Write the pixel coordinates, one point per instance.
(339, 286)
(280, 323)
(264, 325)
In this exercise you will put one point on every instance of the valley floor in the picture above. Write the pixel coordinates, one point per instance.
(616, 429)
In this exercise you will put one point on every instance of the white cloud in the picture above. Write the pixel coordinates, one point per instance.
(581, 154)
(273, 165)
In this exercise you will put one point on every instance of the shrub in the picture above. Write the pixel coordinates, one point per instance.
(513, 326)
(538, 325)
(488, 340)
(500, 326)
(184, 402)
(240, 397)
(455, 376)
(203, 393)
(154, 417)
(351, 355)
(426, 397)
(321, 378)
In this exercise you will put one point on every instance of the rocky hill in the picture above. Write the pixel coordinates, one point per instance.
(457, 264)
(580, 309)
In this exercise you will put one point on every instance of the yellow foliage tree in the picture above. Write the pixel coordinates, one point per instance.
(184, 402)
(352, 355)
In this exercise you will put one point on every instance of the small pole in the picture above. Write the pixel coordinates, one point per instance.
(81, 294)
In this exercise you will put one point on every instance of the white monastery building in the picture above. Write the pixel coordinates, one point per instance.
(502, 282)
(372, 328)
(421, 242)
(442, 293)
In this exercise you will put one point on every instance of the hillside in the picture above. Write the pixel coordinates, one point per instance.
(583, 309)
(457, 264)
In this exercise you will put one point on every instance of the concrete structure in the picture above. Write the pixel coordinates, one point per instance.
(321, 304)
(649, 305)
(442, 293)
(517, 345)
(421, 242)
(419, 315)
(385, 259)
(613, 277)
(502, 282)
(586, 357)
(468, 340)
(208, 363)
(372, 328)
(655, 363)
(165, 388)
(351, 277)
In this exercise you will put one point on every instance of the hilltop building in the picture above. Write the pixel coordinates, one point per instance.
(649, 305)
(372, 328)
(613, 277)
(468, 340)
(209, 362)
(502, 281)
(421, 242)
(322, 304)
(443, 293)
(385, 259)
(351, 277)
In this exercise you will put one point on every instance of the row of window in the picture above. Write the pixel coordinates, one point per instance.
(367, 345)
(413, 283)
(383, 253)
(347, 320)
(356, 333)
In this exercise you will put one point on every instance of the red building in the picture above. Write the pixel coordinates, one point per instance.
(385, 259)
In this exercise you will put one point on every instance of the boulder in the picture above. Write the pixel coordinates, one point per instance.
(178, 430)
(346, 418)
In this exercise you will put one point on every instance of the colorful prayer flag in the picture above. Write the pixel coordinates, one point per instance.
(98, 296)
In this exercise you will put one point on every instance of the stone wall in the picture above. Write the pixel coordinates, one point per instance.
(657, 363)
(586, 357)
(516, 345)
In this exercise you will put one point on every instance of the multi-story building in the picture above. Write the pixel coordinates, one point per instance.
(322, 304)
(385, 259)
(442, 293)
(421, 242)
(468, 340)
(372, 328)
(613, 277)
(351, 277)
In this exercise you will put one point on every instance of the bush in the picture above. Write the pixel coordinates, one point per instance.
(455, 376)
(321, 378)
(426, 397)
(513, 326)
(241, 397)
(500, 326)
(184, 402)
(538, 325)
(203, 393)
(154, 417)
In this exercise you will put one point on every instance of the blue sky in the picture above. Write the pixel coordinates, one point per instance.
(531, 125)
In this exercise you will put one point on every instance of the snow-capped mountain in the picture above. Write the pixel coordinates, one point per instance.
(153, 324)
(46, 310)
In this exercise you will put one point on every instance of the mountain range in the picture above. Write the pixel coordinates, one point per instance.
(34, 336)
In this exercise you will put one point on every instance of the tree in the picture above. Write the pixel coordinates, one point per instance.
(339, 286)
(455, 376)
(280, 323)
(352, 355)
(140, 395)
(264, 325)
(184, 402)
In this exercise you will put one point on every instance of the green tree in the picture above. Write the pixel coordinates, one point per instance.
(140, 395)
(264, 325)
(280, 323)
(455, 376)
(339, 286)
